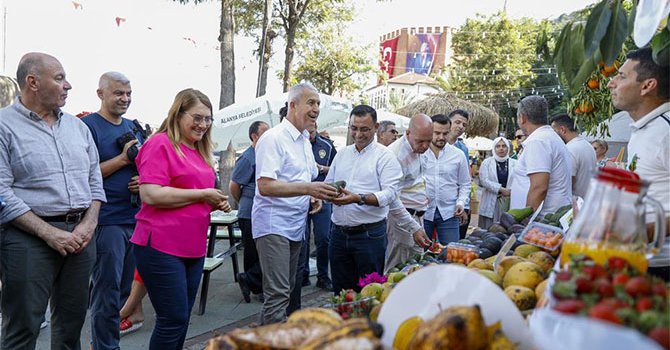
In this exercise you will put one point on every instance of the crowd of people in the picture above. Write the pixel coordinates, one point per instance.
(99, 202)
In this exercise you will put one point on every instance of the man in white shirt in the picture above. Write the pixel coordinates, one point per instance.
(448, 184)
(641, 88)
(405, 227)
(285, 167)
(543, 170)
(581, 152)
(358, 234)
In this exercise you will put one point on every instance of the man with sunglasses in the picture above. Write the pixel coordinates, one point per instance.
(387, 132)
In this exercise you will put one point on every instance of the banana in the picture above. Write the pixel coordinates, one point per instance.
(316, 315)
(353, 328)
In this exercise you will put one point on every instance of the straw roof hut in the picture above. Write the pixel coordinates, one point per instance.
(483, 121)
(8, 90)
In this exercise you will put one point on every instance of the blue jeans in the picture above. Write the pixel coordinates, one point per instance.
(321, 223)
(172, 284)
(447, 230)
(111, 280)
(354, 255)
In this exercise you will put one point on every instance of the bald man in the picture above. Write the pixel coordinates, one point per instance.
(406, 236)
(117, 139)
(51, 183)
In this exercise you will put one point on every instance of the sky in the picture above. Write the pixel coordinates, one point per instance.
(163, 46)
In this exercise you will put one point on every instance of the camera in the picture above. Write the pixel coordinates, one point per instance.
(132, 150)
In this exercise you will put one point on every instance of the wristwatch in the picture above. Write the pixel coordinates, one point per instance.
(362, 201)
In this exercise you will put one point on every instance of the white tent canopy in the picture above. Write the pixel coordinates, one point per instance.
(231, 124)
(619, 128)
(478, 143)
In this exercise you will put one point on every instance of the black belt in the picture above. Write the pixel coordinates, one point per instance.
(69, 218)
(418, 213)
(360, 228)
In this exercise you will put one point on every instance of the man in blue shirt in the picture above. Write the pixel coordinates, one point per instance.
(243, 187)
(117, 140)
(459, 122)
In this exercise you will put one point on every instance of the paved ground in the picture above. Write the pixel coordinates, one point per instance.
(225, 311)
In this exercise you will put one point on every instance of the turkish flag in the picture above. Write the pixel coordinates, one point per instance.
(387, 51)
(119, 20)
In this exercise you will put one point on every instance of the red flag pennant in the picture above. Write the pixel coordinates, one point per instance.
(119, 20)
(77, 5)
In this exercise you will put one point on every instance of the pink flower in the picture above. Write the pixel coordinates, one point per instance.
(371, 278)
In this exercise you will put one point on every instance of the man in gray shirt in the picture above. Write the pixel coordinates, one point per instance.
(51, 182)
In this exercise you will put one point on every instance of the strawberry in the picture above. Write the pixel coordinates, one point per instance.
(616, 263)
(638, 286)
(659, 289)
(570, 306)
(604, 287)
(620, 279)
(644, 304)
(563, 275)
(604, 312)
(595, 271)
(660, 335)
(584, 285)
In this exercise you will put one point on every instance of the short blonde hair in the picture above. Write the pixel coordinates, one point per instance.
(184, 100)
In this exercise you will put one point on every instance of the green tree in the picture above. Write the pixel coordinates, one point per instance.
(493, 54)
(227, 51)
(294, 20)
(332, 62)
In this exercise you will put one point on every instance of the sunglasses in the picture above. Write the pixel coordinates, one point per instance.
(519, 137)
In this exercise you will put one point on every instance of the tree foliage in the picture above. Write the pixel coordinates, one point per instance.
(493, 53)
(332, 62)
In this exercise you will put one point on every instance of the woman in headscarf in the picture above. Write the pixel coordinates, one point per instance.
(495, 181)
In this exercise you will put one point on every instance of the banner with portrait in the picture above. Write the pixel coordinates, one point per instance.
(422, 52)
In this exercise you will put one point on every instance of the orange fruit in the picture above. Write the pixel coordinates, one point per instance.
(593, 84)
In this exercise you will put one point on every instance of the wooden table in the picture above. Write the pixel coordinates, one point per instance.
(213, 261)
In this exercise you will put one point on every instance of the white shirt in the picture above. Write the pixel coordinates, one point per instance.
(372, 170)
(650, 141)
(583, 159)
(543, 152)
(488, 180)
(448, 181)
(285, 154)
(412, 185)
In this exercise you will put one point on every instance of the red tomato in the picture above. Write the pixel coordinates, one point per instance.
(604, 312)
(569, 306)
(616, 263)
(644, 304)
(614, 303)
(604, 287)
(661, 336)
(638, 286)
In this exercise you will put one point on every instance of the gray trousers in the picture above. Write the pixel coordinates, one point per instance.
(401, 246)
(279, 262)
(31, 273)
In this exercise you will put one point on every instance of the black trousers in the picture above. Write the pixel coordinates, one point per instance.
(463, 229)
(32, 274)
(252, 266)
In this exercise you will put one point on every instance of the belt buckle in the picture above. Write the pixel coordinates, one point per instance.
(73, 218)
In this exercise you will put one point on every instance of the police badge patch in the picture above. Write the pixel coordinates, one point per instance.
(322, 153)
